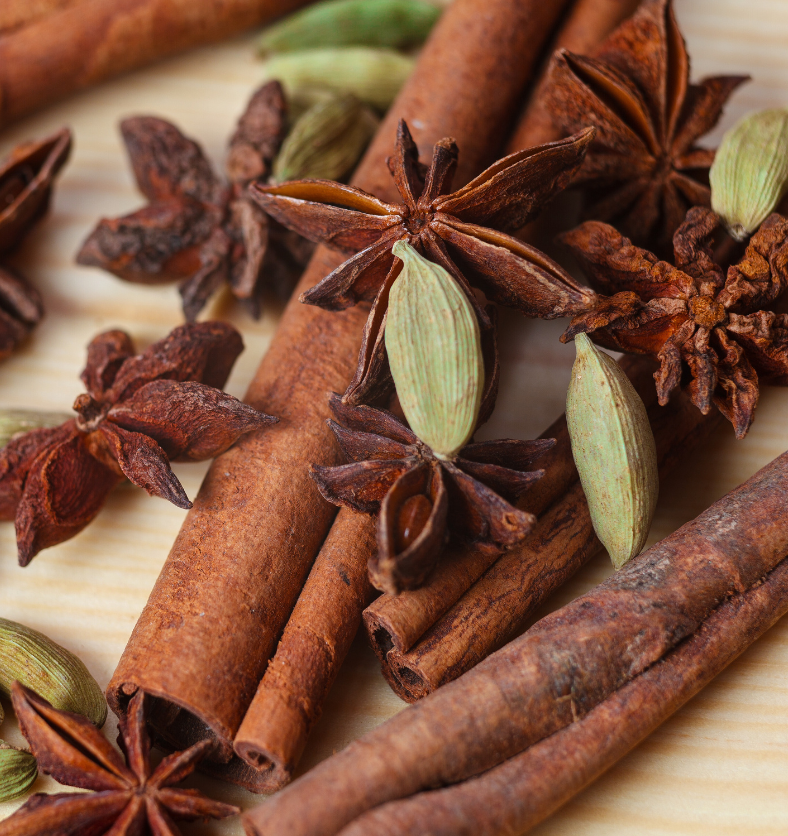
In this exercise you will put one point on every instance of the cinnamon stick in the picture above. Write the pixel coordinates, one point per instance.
(15, 14)
(315, 642)
(246, 547)
(82, 43)
(555, 673)
(496, 607)
(526, 789)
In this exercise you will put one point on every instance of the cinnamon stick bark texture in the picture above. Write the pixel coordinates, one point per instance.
(555, 673)
(85, 42)
(246, 547)
(497, 606)
(316, 641)
(526, 789)
(397, 622)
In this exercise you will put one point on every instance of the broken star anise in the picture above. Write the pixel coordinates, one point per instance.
(699, 321)
(643, 170)
(196, 228)
(128, 799)
(26, 177)
(422, 498)
(463, 231)
(140, 413)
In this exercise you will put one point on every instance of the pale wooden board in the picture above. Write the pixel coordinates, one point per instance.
(720, 766)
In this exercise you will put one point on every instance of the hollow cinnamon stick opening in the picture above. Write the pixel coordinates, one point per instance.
(526, 789)
(73, 45)
(246, 547)
(555, 673)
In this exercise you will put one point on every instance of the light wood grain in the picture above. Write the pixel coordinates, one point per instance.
(720, 766)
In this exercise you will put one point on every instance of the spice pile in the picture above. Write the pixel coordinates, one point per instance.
(355, 485)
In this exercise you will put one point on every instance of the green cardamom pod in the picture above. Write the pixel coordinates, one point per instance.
(387, 23)
(749, 175)
(327, 141)
(435, 353)
(18, 771)
(372, 75)
(15, 421)
(50, 670)
(613, 448)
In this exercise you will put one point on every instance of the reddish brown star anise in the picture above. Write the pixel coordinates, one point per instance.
(129, 798)
(140, 413)
(693, 317)
(197, 229)
(422, 498)
(26, 178)
(463, 231)
(642, 171)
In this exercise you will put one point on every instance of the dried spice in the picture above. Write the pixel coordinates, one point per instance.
(129, 797)
(643, 171)
(18, 772)
(26, 177)
(421, 497)
(698, 321)
(140, 413)
(197, 229)
(463, 232)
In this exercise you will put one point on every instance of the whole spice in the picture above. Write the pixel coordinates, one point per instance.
(26, 178)
(128, 797)
(643, 170)
(195, 228)
(55, 673)
(692, 316)
(451, 229)
(555, 673)
(226, 591)
(13, 422)
(84, 43)
(18, 772)
(373, 75)
(139, 413)
(749, 174)
(613, 448)
(387, 23)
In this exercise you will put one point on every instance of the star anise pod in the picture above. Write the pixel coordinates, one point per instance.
(699, 321)
(129, 798)
(140, 413)
(26, 177)
(463, 231)
(643, 170)
(196, 228)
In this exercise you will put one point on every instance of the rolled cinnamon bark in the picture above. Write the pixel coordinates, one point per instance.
(496, 607)
(227, 588)
(555, 673)
(526, 789)
(316, 641)
(15, 14)
(85, 42)
(397, 622)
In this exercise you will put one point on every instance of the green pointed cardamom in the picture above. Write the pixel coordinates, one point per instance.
(49, 669)
(372, 75)
(613, 448)
(749, 175)
(434, 349)
(15, 421)
(387, 23)
(327, 141)
(18, 771)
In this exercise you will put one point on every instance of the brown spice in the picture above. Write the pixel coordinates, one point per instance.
(643, 170)
(93, 40)
(140, 413)
(550, 772)
(226, 590)
(316, 640)
(128, 796)
(554, 674)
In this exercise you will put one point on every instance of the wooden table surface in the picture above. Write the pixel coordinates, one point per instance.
(719, 766)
